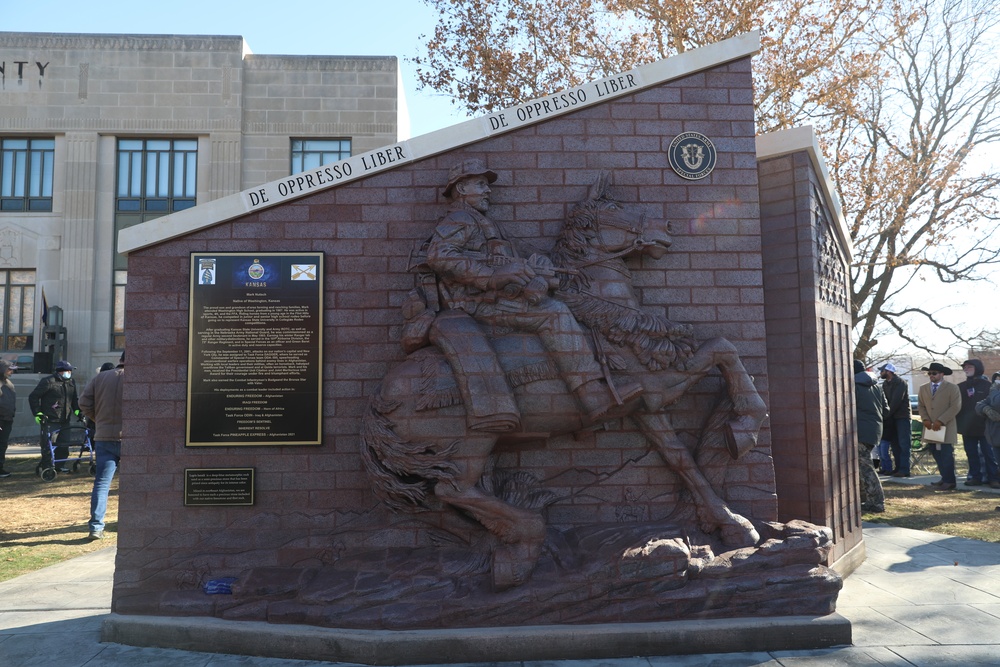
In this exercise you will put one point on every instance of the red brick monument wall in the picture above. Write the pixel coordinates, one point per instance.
(813, 427)
(315, 515)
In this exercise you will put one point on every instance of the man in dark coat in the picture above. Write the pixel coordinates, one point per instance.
(989, 409)
(871, 405)
(972, 427)
(895, 438)
(54, 402)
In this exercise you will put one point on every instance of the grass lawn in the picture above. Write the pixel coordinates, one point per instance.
(962, 513)
(43, 523)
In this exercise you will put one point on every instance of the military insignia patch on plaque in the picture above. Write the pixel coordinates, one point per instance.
(692, 155)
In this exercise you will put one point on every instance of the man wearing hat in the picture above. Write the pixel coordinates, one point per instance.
(939, 402)
(480, 272)
(54, 402)
(896, 431)
(8, 403)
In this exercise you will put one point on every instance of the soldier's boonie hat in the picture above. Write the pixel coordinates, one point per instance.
(466, 168)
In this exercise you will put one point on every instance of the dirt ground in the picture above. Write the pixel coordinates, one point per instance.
(43, 523)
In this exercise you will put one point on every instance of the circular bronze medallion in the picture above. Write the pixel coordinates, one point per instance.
(692, 155)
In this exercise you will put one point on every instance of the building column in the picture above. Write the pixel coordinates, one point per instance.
(76, 252)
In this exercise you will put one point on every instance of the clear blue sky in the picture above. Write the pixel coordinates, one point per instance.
(284, 27)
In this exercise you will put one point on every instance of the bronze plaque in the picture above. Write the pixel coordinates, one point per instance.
(218, 486)
(255, 353)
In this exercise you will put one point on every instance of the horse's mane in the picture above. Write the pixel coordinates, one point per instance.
(573, 244)
(652, 338)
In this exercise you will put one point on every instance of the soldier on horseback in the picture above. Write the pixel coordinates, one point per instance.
(483, 279)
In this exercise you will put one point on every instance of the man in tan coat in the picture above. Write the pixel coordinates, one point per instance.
(101, 401)
(938, 403)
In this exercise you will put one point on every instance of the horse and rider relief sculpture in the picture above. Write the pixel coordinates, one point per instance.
(510, 349)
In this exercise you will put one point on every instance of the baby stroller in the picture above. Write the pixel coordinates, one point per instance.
(74, 437)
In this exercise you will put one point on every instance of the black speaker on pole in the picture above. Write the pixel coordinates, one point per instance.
(43, 362)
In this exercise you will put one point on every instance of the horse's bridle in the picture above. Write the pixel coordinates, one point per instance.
(637, 229)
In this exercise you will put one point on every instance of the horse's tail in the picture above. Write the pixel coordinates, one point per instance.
(403, 473)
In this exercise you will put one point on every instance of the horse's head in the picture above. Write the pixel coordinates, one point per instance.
(613, 230)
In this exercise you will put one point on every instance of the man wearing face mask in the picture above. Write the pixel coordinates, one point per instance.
(54, 403)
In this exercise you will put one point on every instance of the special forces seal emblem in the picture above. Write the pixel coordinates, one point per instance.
(692, 155)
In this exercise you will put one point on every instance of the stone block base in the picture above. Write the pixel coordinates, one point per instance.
(543, 642)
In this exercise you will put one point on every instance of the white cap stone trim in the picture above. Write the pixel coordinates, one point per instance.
(433, 143)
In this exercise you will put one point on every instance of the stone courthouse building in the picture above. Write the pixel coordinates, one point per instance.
(102, 132)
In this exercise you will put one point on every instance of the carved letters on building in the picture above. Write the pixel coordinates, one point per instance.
(831, 273)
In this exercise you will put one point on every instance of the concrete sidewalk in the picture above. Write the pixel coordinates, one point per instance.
(920, 599)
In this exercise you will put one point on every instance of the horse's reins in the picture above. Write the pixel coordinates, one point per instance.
(639, 242)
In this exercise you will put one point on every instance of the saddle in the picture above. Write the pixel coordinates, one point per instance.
(485, 366)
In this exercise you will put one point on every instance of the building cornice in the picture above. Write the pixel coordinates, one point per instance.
(113, 125)
(255, 62)
(116, 42)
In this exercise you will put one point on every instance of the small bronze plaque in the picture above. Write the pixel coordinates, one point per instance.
(218, 486)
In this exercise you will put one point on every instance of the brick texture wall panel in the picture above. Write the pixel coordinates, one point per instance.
(808, 337)
(315, 500)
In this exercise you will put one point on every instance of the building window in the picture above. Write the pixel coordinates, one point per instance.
(118, 306)
(156, 176)
(26, 167)
(17, 305)
(307, 154)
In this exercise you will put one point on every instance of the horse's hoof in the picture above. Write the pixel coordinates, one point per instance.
(739, 438)
(511, 566)
(739, 533)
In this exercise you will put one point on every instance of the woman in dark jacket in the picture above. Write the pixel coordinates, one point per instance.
(990, 409)
(871, 405)
(8, 403)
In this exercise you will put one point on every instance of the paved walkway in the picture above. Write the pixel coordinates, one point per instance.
(921, 599)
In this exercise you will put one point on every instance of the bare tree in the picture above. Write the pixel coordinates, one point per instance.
(903, 158)
(490, 54)
(903, 94)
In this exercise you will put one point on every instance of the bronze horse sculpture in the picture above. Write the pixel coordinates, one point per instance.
(420, 454)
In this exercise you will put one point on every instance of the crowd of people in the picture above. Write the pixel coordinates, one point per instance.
(55, 404)
(945, 411)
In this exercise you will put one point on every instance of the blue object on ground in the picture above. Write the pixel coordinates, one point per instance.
(223, 586)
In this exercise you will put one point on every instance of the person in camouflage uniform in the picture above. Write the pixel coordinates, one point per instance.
(871, 406)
